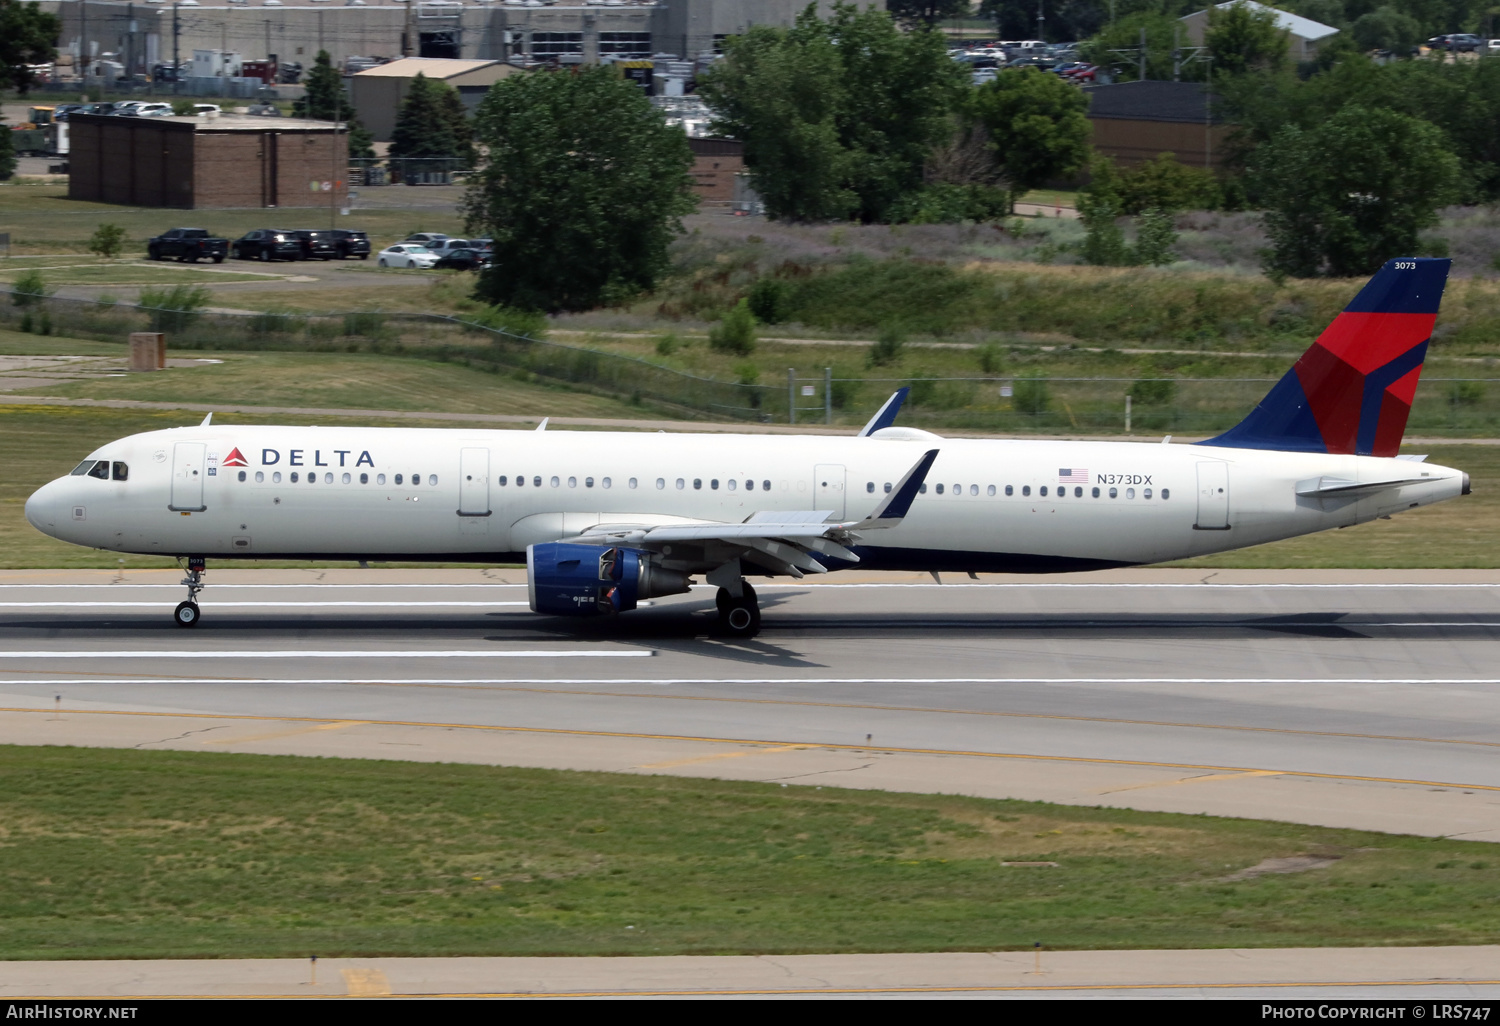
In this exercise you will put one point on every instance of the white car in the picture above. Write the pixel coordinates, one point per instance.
(406, 254)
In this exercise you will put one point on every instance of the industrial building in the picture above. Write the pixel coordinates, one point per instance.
(144, 34)
(196, 162)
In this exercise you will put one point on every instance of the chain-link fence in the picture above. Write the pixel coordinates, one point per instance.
(999, 403)
(429, 335)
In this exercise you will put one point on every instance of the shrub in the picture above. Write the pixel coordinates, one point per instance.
(1465, 393)
(770, 300)
(1154, 391)
(1156, 234)
(173, 308)
(368, 323)
(1104, 241)
(1032, 395)
(667, 344)
(990, 358)
(271, 321)
(529, 323)
(107, 241)
(29, 289)
(887, 346)
(736, 332)
(923, 391)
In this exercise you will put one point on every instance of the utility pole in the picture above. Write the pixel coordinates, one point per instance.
(176, 57)
(409, 36)
(1040, 20)
(1142, 76)
(83, 42)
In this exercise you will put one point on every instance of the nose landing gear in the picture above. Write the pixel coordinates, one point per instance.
(186, 614)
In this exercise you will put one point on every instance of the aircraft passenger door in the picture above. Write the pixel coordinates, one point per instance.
(828, 488)
(474, 483)
(1213, 497)
(188, 468)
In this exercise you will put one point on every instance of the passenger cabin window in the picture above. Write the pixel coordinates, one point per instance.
(293, 478)
(1166, 493)
(714, 484)
(380, 479)
(698, 484)
(398, 478)
(502, 480)
(276, 477)
(632, 482)
(1042, 491)
(572, 482)
(1026, 489)
(766, 485)
(432, 480)
(992, 490)
(1010, 490)
(940, 489)
(260, 477)
(242, 475)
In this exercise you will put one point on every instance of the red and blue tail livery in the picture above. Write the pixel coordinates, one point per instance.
(1351, 393)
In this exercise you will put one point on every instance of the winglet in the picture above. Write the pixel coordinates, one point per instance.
(886, 415)
(895, 505)
(543, 425)
(207, 420)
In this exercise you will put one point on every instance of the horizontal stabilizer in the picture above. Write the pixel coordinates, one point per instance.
(1323, 487)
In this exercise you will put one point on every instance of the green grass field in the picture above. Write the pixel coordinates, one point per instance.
(112, 854)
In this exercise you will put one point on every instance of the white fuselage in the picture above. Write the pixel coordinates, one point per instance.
(1004, 505)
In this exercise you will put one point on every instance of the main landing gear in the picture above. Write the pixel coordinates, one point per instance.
(186, 614)
(739, 609)
(739, 615)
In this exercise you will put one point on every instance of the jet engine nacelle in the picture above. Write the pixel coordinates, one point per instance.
(564, 579)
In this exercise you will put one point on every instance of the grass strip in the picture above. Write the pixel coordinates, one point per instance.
(121, 853)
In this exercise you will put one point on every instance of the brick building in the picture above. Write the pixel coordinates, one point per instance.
(1135, 121)
(715, 163)
(195, 163)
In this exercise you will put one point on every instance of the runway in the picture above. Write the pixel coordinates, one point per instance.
(1359, 699)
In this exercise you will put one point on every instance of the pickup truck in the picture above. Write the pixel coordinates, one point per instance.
(188, 244)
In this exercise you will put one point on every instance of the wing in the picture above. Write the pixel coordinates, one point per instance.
(783, 542)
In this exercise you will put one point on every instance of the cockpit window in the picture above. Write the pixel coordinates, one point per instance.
(83, 468)
(122, 471)
(101, 470)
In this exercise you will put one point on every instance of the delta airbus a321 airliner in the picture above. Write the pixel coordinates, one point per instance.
(604, 521)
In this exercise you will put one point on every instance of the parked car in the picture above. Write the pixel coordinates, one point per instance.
(317, 245)
(463, 259)
(425, 238)
(190, 244)
(447, 246)
(407, 254)
(1458, 42)
(351, 243)
(268, 244)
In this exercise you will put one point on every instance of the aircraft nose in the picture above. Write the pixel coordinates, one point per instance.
(43, 508)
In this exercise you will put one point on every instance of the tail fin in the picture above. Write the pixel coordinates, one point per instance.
(1352, 391)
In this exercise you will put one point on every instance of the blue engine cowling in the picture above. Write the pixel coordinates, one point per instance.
(564, 579)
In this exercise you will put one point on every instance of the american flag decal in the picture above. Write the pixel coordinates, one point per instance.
(1075, 475)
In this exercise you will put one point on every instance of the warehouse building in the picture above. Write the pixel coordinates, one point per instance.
(190, 163)
(377, 92)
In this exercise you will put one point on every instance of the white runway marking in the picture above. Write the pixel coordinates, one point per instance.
(1024, 585)
(365, 654)
(665, 681)
(249, 605)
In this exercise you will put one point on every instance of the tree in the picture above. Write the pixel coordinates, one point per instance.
(27, 36)
(107, 241)
(423, 125)
(7, 153)
(1388, 30)
(583, 188)
(1161, 33)
(1243, 39)
(457, 116)
(1354, 192)
(837, 116)
(324, 100)
(928, 13)
(1037, 126)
